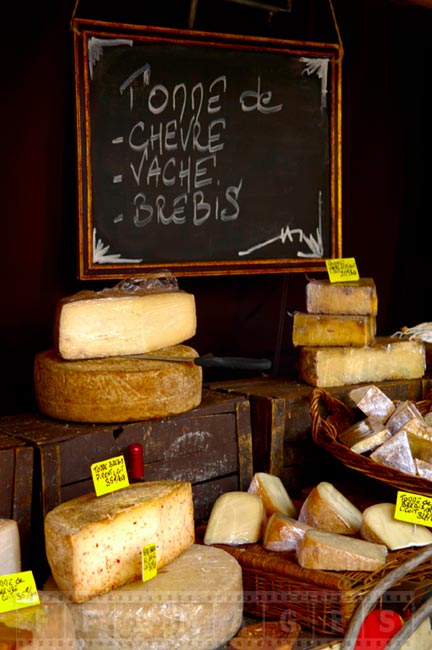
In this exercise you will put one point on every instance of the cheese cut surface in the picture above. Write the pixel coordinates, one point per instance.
(325, 297)
(117, 389)
(383, 360)
(93, 544)
(333, 329)
(112, 323)
(283, 533)
(326, 551)
(272, 493)
(10, 547)
(195, 603)
(235, 518)
(380, 526)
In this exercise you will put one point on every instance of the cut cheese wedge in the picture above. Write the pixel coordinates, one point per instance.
(194, 602)
(327, 508)
(273, 494)
(117, 322)
(326, 551)
(94, 544)
(325, 297)
(235, 518)
(283, 533)
(380, 526)
(10, 547)
(117, 389)
(333, 329)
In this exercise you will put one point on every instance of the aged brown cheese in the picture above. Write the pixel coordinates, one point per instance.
(327, 551)
(327, 508)
(333, 329)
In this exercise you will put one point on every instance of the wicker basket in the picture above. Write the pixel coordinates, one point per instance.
(276, 587)
(330, 417)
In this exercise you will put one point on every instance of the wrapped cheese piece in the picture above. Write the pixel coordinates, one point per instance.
(47, 625)
(373, 402)
(320, 549)
(365, 435)
(94, 544)
(235, 518)
(333, 329)
(283, 533)
(380, 526)
(357, 297)
(273, 494)
(423, 469)
(396, 452)
(10, 547)
(404, 412)
(117, 389)
(327, 508)
(196, 602)
(133, 317)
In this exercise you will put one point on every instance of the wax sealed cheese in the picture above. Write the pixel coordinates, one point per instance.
(357, 297)
(333, 329)
(320, 549)
(235, 518)
(117, 389)
(195, 602)
(383, 360)
(380, 526)
(129, 318)
(10, 547)
(273, 494)
(94, 544)
(327, 508)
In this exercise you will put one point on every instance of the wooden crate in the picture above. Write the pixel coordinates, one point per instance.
(281, 426)
(210, 446)
(16, 475)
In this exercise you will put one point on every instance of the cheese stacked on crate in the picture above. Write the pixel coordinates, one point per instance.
(101, 367)
(337, 340)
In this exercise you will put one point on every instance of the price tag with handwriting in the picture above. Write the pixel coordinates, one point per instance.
(414, 508)
(109, 475)
(343, 269)
(18, 590)
(149, 566)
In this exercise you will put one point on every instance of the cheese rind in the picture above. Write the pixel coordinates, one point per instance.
(283, 533)
(380, 526)
(195, 602)
(358, 297)
(272, 493)
(383, 360)
(117, 389)
(327, 551)
(333, 329)
(235, 518)
(111, 323)
(327, 508)
(94, 544)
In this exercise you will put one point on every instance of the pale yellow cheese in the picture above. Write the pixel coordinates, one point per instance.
(235, 518)
(383, 360)
(195, 602)
(272, 493)
(327, 551)
(111, 323)
(325, 297)
(10, 547)
(327, 508)
(94, 544)
(333, 329)
(380, 526)
(117, 389)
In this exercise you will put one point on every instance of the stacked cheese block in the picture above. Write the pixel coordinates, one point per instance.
(101, 367)
(95, 545)
(337, 342)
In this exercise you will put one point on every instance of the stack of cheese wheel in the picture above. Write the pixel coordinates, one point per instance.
(100, 368)
(337, 341)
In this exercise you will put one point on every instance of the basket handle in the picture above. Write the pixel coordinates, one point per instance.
(340, 418)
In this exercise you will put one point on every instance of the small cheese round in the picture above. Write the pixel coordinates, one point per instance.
(117, 389)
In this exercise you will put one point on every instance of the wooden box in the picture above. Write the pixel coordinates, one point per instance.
(16, 474)
(281, 426)
(210, 446)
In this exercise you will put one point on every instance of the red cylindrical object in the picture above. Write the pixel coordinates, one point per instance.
(136, 462)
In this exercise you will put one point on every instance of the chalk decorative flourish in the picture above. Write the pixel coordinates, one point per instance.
(101, 256)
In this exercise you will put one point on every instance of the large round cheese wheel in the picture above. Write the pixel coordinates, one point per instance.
(194, 602)
(117, 389)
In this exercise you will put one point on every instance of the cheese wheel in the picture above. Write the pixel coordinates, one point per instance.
(47, 625)
(10, 548)
(326, 551)
(195, 602)
(115, 322)
(94, 544)
(117, 389)
(327, 508)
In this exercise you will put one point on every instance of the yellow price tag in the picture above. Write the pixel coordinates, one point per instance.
(414, 508)
(109, 475)
(18, 590)
(342, 269)
(149, 565)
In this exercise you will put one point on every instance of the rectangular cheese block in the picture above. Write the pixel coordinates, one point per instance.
(325, 297)
(384, 360)
(333, 329)
(94, 544)
(108, 323)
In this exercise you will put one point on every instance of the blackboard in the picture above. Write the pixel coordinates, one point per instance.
(205, 153)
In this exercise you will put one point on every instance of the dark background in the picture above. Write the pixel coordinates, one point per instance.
(385, 167)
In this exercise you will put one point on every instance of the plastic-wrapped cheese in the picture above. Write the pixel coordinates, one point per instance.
(117, 389)
(195, 602)
(373, 402)
(272, 493)
(320, 549)
(94, 544)
(327, 508)
(283, 533)
(380, 526)
(235, 518)
(10, 547)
